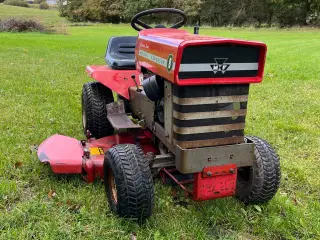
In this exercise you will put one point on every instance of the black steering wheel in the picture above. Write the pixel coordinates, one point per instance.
(136, 19)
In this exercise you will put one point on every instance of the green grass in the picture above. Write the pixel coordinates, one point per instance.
(41, 77)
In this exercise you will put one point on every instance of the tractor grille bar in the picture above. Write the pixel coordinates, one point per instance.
(209, 115)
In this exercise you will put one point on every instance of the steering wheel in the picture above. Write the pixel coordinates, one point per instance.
(136, 19)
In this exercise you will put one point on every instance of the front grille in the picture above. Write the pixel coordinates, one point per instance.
(219, 61)
(209, 115)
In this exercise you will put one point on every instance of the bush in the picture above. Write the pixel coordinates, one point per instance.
(18, 3)
(91, 10)
(22, 25)
(38, 1)
(44, 6)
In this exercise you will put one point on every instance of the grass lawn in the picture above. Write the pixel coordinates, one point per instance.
(41, 77)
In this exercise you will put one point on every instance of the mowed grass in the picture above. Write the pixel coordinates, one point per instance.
(41, 78)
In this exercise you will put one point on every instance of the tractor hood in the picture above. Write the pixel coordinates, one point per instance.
(188, 59)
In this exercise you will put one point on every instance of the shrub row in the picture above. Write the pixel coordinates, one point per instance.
(18, 3)
(208, 12)
(22, 25)
(21, 3)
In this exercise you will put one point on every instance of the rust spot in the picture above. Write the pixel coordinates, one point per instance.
(210, 142)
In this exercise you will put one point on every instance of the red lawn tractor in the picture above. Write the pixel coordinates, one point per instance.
(170, 104)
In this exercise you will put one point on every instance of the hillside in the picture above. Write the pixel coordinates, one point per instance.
(50, 17)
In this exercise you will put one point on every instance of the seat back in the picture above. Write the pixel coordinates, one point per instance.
(120, 52)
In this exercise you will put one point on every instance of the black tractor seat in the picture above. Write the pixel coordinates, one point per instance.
(120, 52)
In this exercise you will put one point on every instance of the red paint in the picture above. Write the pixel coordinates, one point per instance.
(118, 81)
(215, 182)
(163, 42)
(89, 167)
(180, 183)
(66, 155)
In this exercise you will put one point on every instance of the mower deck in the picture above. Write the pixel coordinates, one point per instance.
(68, 155)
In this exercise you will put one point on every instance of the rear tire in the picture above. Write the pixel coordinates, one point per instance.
(95, 97)
(260, 182)
(128, 182)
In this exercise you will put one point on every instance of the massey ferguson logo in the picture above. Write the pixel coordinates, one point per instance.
(220, 65)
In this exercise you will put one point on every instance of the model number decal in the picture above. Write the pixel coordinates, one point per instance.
(167, 63)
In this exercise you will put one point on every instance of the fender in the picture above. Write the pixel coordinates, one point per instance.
(118, 81)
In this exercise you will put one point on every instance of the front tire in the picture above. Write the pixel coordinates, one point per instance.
(260, 182)
(128, 182)
(95, 97)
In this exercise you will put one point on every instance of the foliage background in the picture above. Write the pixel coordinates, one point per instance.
(209, 12)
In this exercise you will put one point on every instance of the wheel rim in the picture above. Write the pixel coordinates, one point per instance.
(112, 186)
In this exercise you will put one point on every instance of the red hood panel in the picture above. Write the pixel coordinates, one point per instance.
(161, 52)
